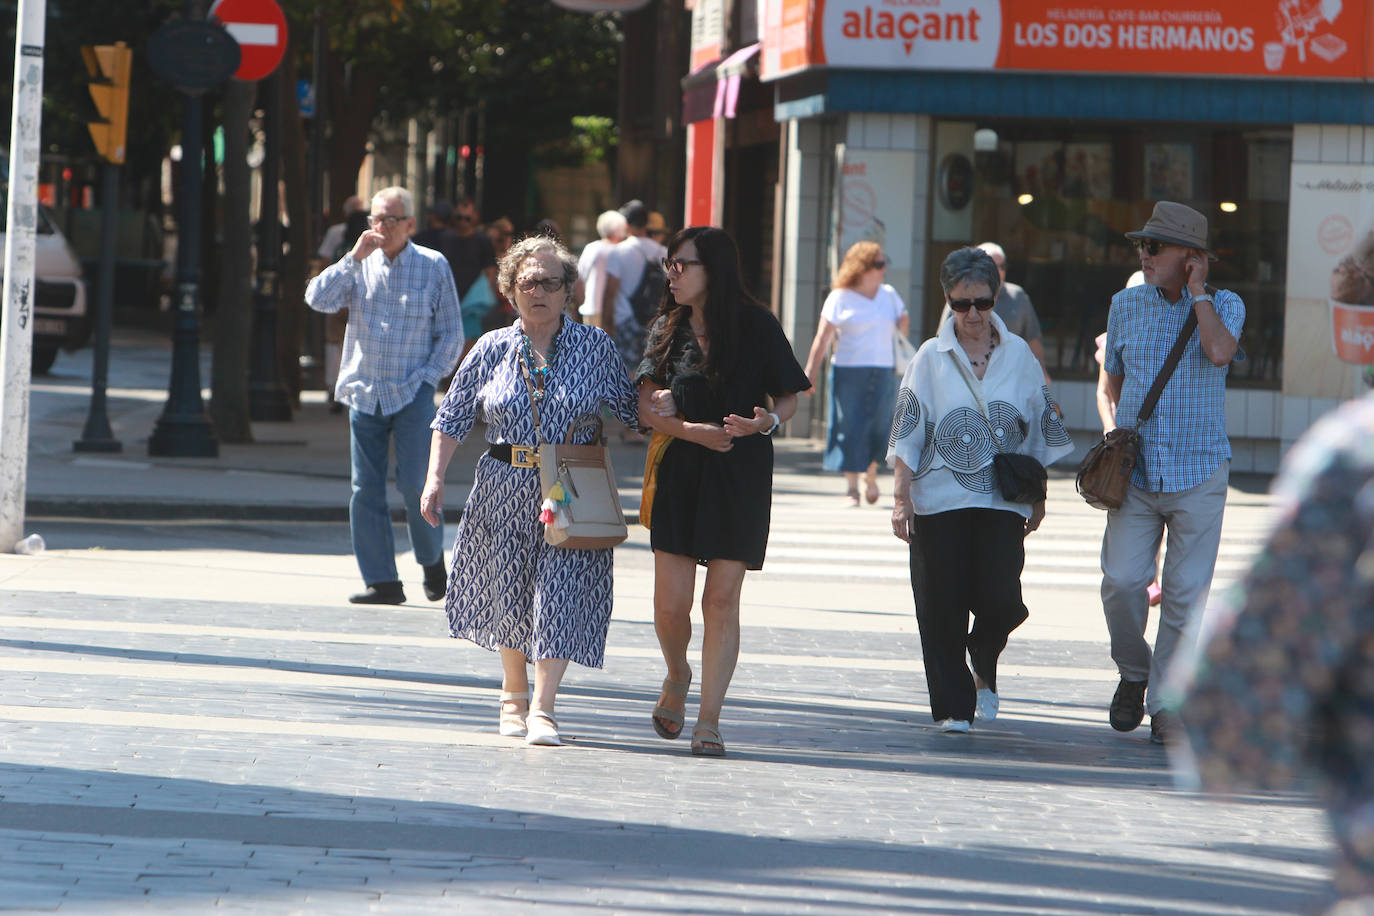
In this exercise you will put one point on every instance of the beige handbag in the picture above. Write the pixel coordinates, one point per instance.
(587, 497)
(580, 501)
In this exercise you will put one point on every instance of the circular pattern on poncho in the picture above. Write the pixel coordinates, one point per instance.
(1008, 429)
(978, 481)
(964, 440)
(1051, 426)
(907, 417)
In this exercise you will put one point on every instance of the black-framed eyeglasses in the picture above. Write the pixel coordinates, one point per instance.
(982, 304)
(678, 265)
(1151, 247)
(548, 284)
(879, 264)
(387, 221)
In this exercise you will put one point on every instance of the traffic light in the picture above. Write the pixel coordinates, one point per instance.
(109, 67)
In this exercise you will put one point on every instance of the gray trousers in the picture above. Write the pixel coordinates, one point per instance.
(1129, 549)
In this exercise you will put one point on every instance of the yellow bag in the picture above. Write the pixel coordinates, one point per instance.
(658, 444)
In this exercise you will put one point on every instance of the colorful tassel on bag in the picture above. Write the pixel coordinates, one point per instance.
(553, 512)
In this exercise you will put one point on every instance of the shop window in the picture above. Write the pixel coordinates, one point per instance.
(1059, 200)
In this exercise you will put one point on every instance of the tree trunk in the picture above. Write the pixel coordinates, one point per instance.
(292, 312)
(353, 108)
(234, 317)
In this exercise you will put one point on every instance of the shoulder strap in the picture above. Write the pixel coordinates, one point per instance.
(1147, 407)
(534, 402)
(967, 375)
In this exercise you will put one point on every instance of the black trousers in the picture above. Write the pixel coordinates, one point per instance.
(966, 561)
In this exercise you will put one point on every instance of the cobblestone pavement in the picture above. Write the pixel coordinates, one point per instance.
(190, 719)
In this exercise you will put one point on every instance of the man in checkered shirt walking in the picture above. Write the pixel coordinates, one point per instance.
(1180, 481)
(405, 333)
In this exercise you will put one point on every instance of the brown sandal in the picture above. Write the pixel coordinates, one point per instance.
(706, 740)
(677, 689)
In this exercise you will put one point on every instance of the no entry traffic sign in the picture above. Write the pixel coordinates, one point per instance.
(260, 29)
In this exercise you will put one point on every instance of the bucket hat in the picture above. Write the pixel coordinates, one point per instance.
(1176, 224)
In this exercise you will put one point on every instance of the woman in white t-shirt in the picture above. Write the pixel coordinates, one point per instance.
(859, 318)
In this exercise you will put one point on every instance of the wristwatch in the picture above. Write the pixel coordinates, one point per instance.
(777, 421)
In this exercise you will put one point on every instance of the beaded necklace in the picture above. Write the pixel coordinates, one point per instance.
(992, 345)
(539, 375)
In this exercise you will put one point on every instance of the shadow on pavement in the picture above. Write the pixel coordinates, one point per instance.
(724, 870)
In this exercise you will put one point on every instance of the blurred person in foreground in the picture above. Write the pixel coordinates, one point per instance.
(404, 335)
(1283, 679)
(718, 378)
(509, 590)
(859, 318)
(611, 229)
(972, 391)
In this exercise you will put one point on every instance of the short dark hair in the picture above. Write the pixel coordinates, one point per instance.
(442, 211)
(635, 213)
(972, 264)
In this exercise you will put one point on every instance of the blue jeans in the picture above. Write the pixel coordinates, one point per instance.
(862, 399)
(369, 518)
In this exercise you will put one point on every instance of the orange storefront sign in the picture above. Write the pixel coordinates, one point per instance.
(1316, 39)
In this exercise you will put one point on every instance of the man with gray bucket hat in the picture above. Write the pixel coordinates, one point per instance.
(1179, 482)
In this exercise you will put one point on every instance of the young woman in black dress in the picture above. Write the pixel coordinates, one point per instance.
(714, 361)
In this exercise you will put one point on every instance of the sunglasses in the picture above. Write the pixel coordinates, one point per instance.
(549, 284)
(677, 265)
(961, 306)
(879, 264)
(1151, 247)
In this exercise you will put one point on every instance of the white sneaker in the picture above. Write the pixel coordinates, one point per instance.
(542, 730)
(953, 725)
(986, 705)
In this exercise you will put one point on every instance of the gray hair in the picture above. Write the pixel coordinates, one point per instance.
(993, 249)
(395, 192)
(525, 248)
(611, 223)
(971, 264)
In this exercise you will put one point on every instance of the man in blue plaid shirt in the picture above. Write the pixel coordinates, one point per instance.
(405, 333)
(1180, 481)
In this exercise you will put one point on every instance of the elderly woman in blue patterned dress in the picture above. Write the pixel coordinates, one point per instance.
(972, 391)
(508, 590)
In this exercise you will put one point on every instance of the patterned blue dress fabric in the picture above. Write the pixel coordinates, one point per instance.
(507, 587)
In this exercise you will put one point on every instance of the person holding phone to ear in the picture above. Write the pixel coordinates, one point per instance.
(1180, 481)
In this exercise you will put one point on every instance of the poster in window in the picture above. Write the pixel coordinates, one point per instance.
(1088, 170)
(1169, 171)
(1039, 168)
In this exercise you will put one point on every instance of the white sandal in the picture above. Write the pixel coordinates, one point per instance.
(513, 720)
(543, 730)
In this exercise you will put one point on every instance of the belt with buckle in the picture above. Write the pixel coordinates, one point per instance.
(517, 456)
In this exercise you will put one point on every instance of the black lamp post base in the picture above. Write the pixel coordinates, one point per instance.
(97, 445)
(184, 438)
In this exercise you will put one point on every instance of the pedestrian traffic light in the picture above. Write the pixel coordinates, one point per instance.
(109, 67)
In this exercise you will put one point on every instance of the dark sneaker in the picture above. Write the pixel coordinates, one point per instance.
(436, 581)
(380, 593)
(1128, 705)
(1165, 728)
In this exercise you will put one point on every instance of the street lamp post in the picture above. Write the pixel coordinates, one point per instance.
(267, 398)
(184, 428)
